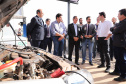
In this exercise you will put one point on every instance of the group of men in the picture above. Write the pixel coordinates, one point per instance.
(89, 35)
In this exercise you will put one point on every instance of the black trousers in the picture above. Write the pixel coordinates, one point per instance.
(71, 46)
(94, 47)
(111, 48)
(116, 55)
(64, 50)
(103, 48)
(48, 43)
(120, 61)
(38, 43)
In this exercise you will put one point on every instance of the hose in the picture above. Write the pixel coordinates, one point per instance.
(11, 63)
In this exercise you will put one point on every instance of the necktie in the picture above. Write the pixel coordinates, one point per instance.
(47, 31)
(88, 30)
(41, 21)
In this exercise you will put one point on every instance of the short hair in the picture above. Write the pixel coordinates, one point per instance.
(102, 13)
(123, 12)
(87, 17)
(58, 15)
(74, 17)
(47, 19)
(80, 19)
(38, 11)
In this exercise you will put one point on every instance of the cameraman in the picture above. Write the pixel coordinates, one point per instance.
(119, 41)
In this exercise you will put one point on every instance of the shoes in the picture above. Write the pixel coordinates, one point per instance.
(80, 47)
(111, 58)
(64, 56)
(120, 79)
(107, 70)
(114, 73)
(100, 66)
(91, 63)
(77, 63)
(83, 62)
(93, 57)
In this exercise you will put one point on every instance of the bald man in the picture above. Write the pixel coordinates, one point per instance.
(111, 41)
(37, 30)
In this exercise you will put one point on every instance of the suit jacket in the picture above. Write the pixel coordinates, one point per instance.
(91, 31)
(71, 32)
(119, 34)
(37, 28)
(45, 29)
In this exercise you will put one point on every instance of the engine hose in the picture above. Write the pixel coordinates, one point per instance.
(11, 63)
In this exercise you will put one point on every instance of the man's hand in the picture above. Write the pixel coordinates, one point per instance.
(96, 37)
(76, 38)
(90, 36)
(81, 37)
(86, 36)
(61, 37)
(106, 38)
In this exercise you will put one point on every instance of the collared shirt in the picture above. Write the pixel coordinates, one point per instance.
(104, 29)
(96, 29)
(57, 28)
(41, 20)
(80, 25)
(87, 28)
(48, 31)
(75, 28)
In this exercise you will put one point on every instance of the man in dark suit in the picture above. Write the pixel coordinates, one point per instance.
(37, 30)
(74, 32)
(47, 39)
(88, 32)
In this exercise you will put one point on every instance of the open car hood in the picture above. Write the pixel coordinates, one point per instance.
(8, 8)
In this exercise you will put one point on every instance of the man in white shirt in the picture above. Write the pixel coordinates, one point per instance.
(103, 34)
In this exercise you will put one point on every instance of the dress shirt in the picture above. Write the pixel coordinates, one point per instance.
(104, 29)
(75, 28)
(57, 28)
(88, 29)
(48, 31)
(41, 20)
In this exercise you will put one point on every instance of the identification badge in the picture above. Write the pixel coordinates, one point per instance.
(85, 28)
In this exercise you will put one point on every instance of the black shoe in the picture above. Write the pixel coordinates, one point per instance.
(111, 58)
(114, 73)
(77, 63)
(93, 56)
(120, 79)
(107, 70)
(64, 56)
(80, 47)
(91, 63)
(83, 62)
(100, 66)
